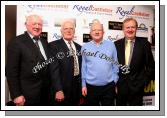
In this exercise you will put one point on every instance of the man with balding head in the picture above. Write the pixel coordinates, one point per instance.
(67, 87)
(27, 84)
(99, 74)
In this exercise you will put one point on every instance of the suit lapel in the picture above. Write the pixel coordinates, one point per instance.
(65, 49)
(31, 46)
(63, 44)
(34, 51)
(44, 44)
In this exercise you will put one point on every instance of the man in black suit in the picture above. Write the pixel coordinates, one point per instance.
(136, 53)
(27, 79)
(67, 87)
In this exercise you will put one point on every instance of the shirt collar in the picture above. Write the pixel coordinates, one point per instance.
(133, 41)
(101, 42)
(67, 40)
(31, 36)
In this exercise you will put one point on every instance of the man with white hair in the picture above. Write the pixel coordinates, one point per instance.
(67, 87)
(23, 54)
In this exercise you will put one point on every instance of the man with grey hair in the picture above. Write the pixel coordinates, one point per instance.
(66, 88)
(23, 54)
(99, 74)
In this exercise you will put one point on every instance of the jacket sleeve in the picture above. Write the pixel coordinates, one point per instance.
(13, 69)
(150, 63)
(55, 70)
(115, 69)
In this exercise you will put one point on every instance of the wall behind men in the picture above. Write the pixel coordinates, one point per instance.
(111, 16)
(83, 15)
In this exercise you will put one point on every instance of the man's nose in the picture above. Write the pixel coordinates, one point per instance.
(37, 25)
(97, 32)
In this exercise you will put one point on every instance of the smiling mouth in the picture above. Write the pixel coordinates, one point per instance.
(130, 32)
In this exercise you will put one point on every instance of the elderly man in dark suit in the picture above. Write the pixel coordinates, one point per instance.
(136, 53)
(67, 87)
(27, 79)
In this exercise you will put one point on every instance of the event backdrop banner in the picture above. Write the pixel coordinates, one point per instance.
(111, 16)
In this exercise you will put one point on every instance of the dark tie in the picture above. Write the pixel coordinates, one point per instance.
(36, 41)
(76, 69)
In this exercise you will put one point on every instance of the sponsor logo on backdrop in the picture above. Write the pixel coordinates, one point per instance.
(92, 9)
(114, 25)
(59, 21)
(142, 28)
(113, 38)
(149, 93)
(122, 12)
(150, 88)
(149, 100)
(132, 13)
(86, 24)
(30, 8)
(44, 35)
(86, 38)
(57, 24)
(56, 36)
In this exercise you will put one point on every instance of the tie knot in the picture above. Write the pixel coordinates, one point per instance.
(129, 41)
(69, 42)
(36, 38)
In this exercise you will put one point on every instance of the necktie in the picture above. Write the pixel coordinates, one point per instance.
(76, 69)
(36, 42)
(127, 51)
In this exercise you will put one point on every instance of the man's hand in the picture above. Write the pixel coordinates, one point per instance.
(84, 91)
(116, 89)
(59, 96)
(19, 101)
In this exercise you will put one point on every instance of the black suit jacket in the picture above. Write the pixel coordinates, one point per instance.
(142, 65)
(22, 56)
(62, 67)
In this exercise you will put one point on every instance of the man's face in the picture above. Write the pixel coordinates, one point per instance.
(97, 32)
(68, 31)
(130, 29)
(34, 26)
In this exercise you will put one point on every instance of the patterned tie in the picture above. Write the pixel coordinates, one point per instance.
(76, 69)
(127, 51)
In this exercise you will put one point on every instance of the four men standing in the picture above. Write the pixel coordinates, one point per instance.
(64, 77)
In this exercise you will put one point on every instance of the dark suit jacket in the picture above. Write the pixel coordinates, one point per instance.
(22, 56)
(142, 65)
(62, 78)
